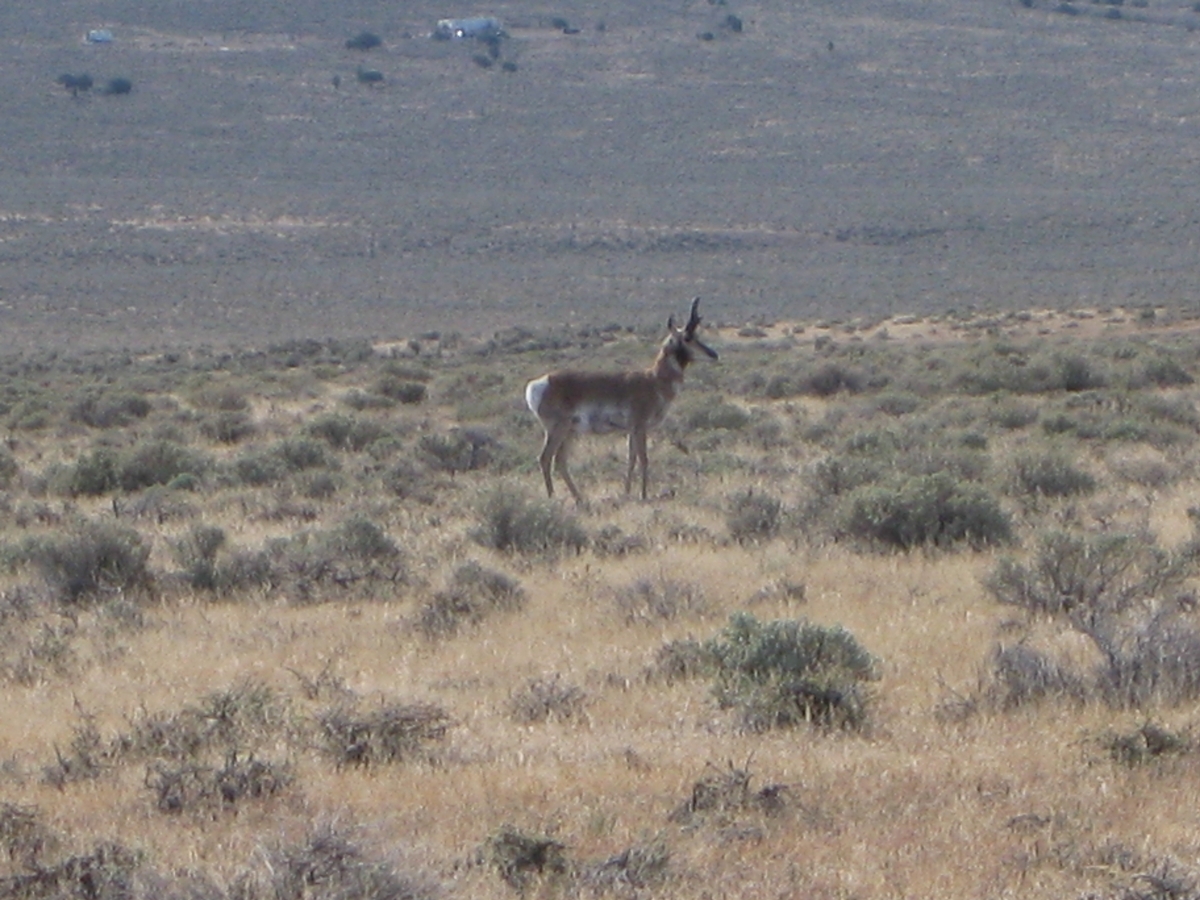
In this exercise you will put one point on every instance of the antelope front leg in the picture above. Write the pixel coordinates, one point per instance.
(637, 450)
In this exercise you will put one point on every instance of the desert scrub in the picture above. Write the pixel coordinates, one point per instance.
(355, 555)
(510, 521)
(522, 860)
(94, 562)
(925, 510)
(753, 516)
(461, 450)
(108, 409)
(392, 733)
(545, 699)
(473, 594)
(329, 864)
(1121, 592)
(159, 462)
(8, 468)
(649, 600)
(1050, 474)
(791, 672)
(346, 432)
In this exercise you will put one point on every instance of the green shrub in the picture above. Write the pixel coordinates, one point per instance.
(1164, 371)
(299, 454)
(1012, 415)
(753, 516)
(196, 553)
(651, 600)
(228, 427)
(462, 450)
(922, 510)
(791, 672)
(360, 538)
(96, 561)
(258, 469)
(720, 415)
(109, 410)
(396, 388)
(513, 523)
(409, 481)
(472, 595)
(335, 430)
(94, 474)
(829, 379)
(1077, 373)
(1050, 475)
(1022, 675)
(191, 787)
(158, 462)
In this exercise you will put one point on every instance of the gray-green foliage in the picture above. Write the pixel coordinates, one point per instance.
(510, 521)
(1121, 592)
(790, 672)
(753, 515)
(93, 562)
(473, 594)
(936, 510)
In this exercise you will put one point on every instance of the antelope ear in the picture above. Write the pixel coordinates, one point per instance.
(670, 323)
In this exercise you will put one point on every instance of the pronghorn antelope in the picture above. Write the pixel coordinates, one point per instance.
(569, 403)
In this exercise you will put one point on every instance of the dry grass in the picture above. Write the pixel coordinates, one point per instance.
(539, 722)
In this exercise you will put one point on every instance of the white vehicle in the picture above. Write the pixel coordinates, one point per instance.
(99, 36)
(481, 28)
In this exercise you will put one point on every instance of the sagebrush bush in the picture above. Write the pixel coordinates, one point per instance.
(159, 462)
(935, 510)
(650, 600)
(1147, 743)
(1020, 675)
(510, 521)
(1090, 577)
(462, 450)
(1050, 475)
(93, 474)
(328, 865)
(228, 427)
(1120, 592)
(753, 516)
(96, 561)
(473, 594)
(109, 409)
(395, 732)
(544, 699)
(196, 554)
(522, 859)
(791, 672)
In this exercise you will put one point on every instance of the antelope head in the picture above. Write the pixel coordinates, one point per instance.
(682, 342)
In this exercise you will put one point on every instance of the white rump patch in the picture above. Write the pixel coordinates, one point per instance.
(534, 391)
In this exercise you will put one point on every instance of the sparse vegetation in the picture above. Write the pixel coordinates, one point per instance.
(451, 646)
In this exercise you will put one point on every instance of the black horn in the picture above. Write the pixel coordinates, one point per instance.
(693, 318)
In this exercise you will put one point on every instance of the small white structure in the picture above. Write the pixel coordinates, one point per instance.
(481, 28)
(99, 36)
